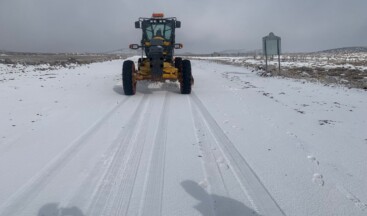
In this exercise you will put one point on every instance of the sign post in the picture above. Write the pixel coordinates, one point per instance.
(271, 46)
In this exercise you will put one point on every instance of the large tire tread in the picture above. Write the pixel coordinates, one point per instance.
(186, 77)
(128, 70)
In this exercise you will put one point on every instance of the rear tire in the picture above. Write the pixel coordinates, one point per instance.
(128, 82)
(185, 85)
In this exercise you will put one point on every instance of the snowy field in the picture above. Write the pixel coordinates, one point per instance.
(71, 143)
(357, 61)
(346, 69)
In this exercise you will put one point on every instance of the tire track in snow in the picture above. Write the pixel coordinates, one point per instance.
(117, 150)
(153, 192)
(35, 185)
(212, 171)
(251, 184)
(114, 192)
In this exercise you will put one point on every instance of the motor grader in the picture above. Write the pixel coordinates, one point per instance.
(159, 63)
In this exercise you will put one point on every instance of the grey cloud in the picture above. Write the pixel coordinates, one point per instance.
(207, 25)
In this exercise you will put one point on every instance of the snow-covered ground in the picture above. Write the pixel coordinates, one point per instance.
(351, 61)
(341, 69)
(72, 144)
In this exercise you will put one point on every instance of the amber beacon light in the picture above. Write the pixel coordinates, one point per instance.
(158, 15)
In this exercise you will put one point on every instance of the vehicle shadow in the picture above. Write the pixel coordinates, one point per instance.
(223, 206)
(146, 87)
(118, 89)
(53, 209)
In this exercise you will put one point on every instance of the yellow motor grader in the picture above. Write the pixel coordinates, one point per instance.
(158, 64)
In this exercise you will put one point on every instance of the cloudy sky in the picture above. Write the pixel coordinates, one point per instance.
(207, 25)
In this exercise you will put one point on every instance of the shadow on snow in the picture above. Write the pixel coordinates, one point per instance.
(222, 206)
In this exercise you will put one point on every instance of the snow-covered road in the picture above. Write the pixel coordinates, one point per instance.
(71, 143)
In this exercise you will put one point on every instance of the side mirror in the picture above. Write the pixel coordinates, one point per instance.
(178, 24)
(178, 46)
(134, 46)
(137, 24)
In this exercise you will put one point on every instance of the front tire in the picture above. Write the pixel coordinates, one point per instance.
(128, 81)
(185, 85)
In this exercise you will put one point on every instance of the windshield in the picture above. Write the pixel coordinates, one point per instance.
(162, 29)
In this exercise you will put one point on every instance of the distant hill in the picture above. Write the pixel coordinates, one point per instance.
(239, 52)
(233, 51)
(344, 50)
